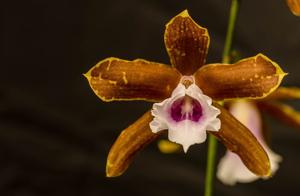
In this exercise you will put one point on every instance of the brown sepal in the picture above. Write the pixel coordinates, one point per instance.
(238, 139)
(116, 79)
(186, 43)
(132, 140)
(282, 112)
(254, 77)
(284, 93)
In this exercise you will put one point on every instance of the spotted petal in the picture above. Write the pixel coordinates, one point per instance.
(187, 43)
(254, 77)
(117, 79)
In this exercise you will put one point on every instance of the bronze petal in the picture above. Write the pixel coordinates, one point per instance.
(282, 112)
(238, 139)
(254, 77)
(283, 93)
(117, 79)
(294, 6)
(132, 140)
(186, 42)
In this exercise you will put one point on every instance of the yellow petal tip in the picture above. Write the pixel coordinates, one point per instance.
(184, 13)
(268, 174)
(279, 72)
(86, 75)
(109, 171)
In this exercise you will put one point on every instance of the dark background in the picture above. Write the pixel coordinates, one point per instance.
(55, 133)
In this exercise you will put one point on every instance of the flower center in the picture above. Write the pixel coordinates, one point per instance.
(186, 108)
(187, 81)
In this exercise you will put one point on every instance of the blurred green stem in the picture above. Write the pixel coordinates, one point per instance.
(212, 142)
(230, 28)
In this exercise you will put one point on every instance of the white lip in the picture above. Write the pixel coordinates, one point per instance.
(186, 132)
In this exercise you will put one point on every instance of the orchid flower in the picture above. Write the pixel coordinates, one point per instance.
(186, 96)
(294, 6)
(231, 169)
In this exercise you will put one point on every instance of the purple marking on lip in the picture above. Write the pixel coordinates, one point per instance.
(194, 113)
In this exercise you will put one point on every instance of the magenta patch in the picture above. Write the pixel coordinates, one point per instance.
(186, 109)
